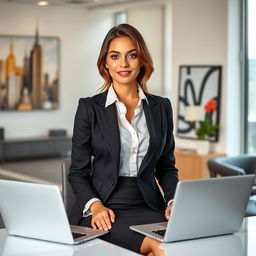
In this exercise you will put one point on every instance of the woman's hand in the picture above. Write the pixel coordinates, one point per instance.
(102, 217)
(168, 210)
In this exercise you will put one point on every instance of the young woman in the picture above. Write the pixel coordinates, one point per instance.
(122, 142)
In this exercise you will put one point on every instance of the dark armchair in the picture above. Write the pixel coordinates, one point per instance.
(233, 165)
(236, 165)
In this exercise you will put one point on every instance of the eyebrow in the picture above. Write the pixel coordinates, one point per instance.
(113, 51)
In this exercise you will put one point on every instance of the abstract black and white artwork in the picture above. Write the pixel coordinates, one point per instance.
(197, 86)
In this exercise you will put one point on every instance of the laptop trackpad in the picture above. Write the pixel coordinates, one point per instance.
(78, 229)
(77, 235)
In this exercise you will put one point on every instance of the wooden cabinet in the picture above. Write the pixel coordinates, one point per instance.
(192, 165)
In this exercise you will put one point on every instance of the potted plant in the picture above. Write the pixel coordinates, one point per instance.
(206, 127)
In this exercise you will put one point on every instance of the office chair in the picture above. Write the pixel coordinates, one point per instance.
(67, 192)
(236, 165)
(1, 222)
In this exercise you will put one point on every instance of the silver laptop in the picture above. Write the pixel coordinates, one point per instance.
(203, 208)
(37, 211)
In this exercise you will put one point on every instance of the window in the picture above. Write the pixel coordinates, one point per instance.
(250, 77)
(120, 17)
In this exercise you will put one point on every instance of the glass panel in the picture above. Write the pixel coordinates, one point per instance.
(251, 76)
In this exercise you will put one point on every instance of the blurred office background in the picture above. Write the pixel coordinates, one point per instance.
(178, 32)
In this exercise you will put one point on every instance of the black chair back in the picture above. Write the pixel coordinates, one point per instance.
(1, 222)
(67, 192)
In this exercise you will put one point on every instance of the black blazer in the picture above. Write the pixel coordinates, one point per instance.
(96, 136)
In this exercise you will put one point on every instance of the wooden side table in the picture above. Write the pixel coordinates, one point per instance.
(192, 165)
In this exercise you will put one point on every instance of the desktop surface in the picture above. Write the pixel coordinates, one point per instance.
(20, 246)
(239, 244)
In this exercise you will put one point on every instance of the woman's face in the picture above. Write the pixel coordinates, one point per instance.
(122, 61)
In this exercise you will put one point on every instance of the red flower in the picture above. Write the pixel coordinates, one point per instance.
(210, 106)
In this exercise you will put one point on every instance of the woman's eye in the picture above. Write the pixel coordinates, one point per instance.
(132, 56)
(114, 57)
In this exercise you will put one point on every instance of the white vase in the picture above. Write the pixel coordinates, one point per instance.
(202, 147)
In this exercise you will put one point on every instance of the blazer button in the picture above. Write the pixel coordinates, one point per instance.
(113, 183)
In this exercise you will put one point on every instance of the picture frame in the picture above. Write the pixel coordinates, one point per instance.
(29, 72)
(198, 84)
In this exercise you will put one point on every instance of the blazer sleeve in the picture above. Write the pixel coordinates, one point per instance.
(81, 155)
(166, 172)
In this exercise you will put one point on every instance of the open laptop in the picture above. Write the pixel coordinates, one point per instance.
(203, 208)
(37, 211)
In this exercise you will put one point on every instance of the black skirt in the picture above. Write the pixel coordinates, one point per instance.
(130, 209)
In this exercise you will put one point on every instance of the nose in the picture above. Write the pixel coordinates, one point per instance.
(124, 62)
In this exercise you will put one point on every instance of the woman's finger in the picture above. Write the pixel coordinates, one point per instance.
(98, 223)
(103, 222)
(107, 220)
(93, 224)
(112, 215)
(167, 213)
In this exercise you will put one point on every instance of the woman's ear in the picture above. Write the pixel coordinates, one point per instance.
(106, 65)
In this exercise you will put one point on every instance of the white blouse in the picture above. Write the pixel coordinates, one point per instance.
(134, 136)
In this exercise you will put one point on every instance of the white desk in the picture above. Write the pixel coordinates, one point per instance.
(240, 244)
(18, 246)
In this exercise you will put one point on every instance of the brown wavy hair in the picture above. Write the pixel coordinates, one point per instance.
(143, 54)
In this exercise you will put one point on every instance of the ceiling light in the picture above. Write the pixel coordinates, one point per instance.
(42, 3)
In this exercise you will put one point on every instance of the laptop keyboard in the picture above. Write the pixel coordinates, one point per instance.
(78, 235)
(160, 232)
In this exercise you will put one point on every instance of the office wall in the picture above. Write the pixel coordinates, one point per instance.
(197, 32)
(202, 32)
(149, 21)
(200, 37)
(81, 34)
(184, 32)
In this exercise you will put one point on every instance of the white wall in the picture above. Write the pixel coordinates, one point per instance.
(209, 32)
(195, 32)
(149, 21)
(81, 34)
(185, 32)
(200, 37)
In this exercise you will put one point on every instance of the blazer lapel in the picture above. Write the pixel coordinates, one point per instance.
(153, 118)
(107, 118)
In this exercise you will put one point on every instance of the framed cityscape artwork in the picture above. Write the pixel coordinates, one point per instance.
(199, 87)
(29, 72)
